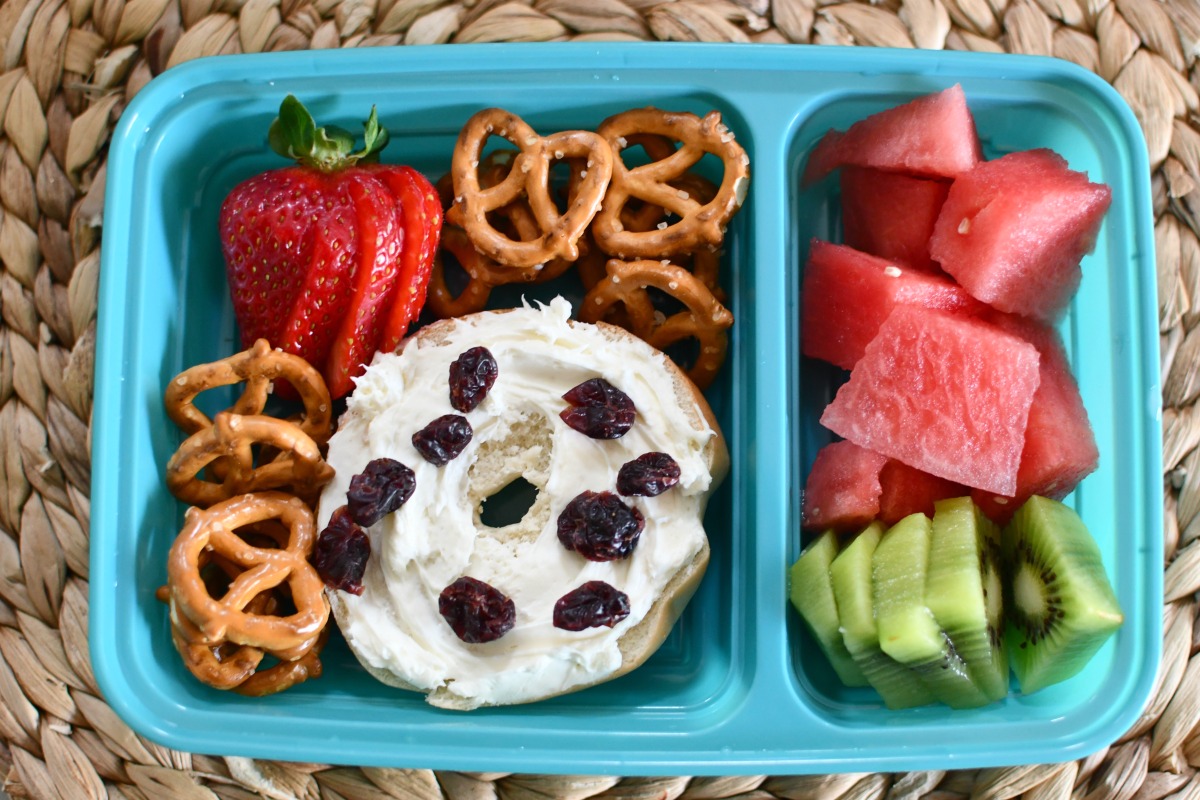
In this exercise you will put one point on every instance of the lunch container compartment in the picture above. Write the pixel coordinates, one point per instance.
(739, 686)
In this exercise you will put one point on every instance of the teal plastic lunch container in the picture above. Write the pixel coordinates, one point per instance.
(739, 686)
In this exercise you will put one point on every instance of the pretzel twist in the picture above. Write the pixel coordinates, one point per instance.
(483, 274)
(235, 618)
(704, 319)
(285, 674)
(232, 438)
(258, 367)
(221, 666)
(529, 177)
(237, 667)
(700, 224)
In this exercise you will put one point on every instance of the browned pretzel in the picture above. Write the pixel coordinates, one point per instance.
(285, 674)
(232, 438)
(517, 221)
(221, 666)
(258, 367)
(226, 665)
(700, 223)
(237, 618)
(529, 177)
(237, 667)
(704, 319)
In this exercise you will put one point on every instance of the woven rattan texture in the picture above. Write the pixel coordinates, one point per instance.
(70, 66)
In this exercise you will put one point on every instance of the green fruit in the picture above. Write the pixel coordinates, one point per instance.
(1061, 607)
(898, 686)
(964, 591)
(811, 593)
(908, 631)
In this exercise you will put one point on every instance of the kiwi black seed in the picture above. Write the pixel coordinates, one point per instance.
(1060, 606)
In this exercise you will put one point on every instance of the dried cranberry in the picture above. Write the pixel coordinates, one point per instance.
(475, 611)
(341, 554)
(600, 526)
(648, 475)
(599, 410)
(383, 486)
(593, 604)
(443, 439)
(471, 377)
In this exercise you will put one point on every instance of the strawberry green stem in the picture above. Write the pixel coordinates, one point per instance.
(294, 134)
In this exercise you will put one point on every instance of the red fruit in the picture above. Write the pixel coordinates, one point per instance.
(932, 136)
(329, 259)
(422, 213)
(1060, 448)
(891, 215)
(847, 295)
(946, 394)
(842, 490)
(1013, 231)
(907, 490)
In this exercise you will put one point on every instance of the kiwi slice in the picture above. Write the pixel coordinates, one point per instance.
(965, 592)
(908, 631)
(1061, 607)
(811, 592)
(898, 686)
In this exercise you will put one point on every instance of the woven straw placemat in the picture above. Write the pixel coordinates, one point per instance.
(69, 68)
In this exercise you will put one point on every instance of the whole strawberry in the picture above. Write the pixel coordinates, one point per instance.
(329, 259)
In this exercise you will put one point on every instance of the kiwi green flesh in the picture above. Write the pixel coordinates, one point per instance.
(908, 631)
(811, 592)
(1061, 608)
(897, 685)
(964, 591)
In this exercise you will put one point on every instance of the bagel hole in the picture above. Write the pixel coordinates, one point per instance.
(519, 455)
(509, 505)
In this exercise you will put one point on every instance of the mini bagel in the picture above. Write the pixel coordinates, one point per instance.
(397, 628)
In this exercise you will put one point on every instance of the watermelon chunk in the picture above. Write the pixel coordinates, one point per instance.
(932, 136)
(946, 394)
(847, 295)
(1013, 231)
(842, 490)
(891, 215)
(1060, 448)
(907, 490)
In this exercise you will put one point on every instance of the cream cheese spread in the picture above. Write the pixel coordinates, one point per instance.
(438, 536)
